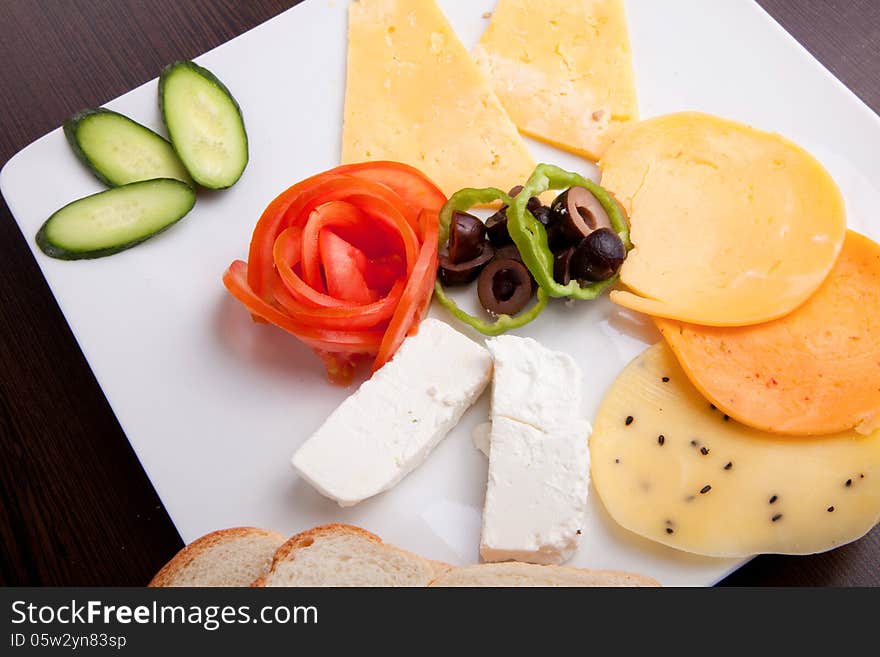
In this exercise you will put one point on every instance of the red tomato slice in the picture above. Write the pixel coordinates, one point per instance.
(294, 206)
(334, 213)
(413, 303)
(344, 342)
(414, 187)
(345, 261)
(343, 268)
(372, 315)
(382, 273)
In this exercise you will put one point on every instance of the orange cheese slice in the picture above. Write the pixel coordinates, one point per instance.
(414, 95)
(814, 371)
(731, 225)
(563, 69)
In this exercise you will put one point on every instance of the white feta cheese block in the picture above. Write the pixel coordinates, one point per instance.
(534, 385)
(480, 437)
(536, 496)
(388, 427)
(539, 462)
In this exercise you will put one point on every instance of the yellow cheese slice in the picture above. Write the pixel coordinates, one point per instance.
(814, 371)
(731, 225)
(563, 69)
(414, 95)
(715, 487)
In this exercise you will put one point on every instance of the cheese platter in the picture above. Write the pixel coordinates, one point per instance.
(232, 400)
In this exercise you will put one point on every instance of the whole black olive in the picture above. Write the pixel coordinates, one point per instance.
(467, 236)
(578, 214)
(505, 287)
(597, 257)
(496, 228)
(561, 272)
(462, 273)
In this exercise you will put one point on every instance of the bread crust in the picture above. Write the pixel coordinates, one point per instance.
(601, 578)
(443, 574)
(287, 552)
(199, 546)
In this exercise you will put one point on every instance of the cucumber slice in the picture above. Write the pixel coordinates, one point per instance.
(120, 151)
(205, 124)
(116, 219)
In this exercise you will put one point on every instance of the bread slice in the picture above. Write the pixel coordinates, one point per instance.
(229, 557)
(513, 573)
(343, 555)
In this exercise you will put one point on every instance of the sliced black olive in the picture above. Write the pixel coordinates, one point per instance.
(467, 236)
(462, 273)
(561, 271)
(579, 213)
(598, 256)
(496, 228)
(533, 204)
(543, 214)
(556, 239)
(505, 286)
(508, 252)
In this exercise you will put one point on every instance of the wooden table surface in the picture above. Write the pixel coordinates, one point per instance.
(75, 505)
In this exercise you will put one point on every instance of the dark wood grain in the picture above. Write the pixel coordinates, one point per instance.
(75, 506)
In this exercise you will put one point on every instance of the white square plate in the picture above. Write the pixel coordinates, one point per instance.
(215, 405)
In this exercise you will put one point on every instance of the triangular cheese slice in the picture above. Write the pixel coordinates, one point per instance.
(562, 69)
(414, 95)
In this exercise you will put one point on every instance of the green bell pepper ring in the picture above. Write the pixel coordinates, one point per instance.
(503, 323)
(462, 201)
(530, 236)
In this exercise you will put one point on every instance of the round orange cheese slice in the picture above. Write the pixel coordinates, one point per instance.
(814, 371)
(732, 226)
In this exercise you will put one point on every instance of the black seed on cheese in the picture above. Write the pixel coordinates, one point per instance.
(713, 407)
(705, 489)
(665, 379)
(861, 476)
(778, 516)
(661, 439)
(773, 498)
(578, 532)
(848, 483)
(726, 418)
(704, 451)
(830, 509)
(729, 465)
(669, 530)
(629, 420)
(694, 443)
(617, 460)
